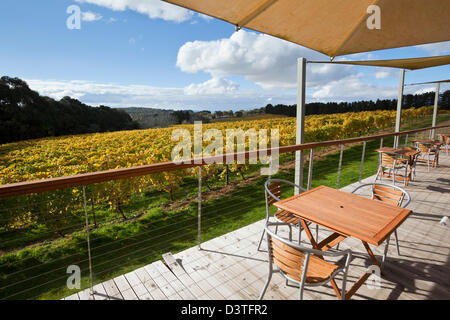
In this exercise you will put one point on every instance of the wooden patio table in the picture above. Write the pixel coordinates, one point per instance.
(348, 215)
(428, 141)
(409, 154)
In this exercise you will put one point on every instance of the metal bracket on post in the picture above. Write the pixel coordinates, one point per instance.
(339, 167)
(88, 241)
(199, 218)
(362, 161)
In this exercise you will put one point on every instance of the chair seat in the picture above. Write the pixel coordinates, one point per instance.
(286, 216)
(319, 270)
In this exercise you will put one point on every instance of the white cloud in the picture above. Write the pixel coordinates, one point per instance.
(265, 60)
(89, 16)
(425, 90)
(438, 48)
(382, 74)
(211, 95)
(351, 88)
(152, 8)
(212, 86)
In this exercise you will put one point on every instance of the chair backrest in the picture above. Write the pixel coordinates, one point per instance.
(388, 159)
(423, 148)
(292, 258)
(275, 190)
(388, 193)
(289, 259)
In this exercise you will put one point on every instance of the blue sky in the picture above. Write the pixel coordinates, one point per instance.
(147, 53)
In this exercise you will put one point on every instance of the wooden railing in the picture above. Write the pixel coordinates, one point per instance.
(38, 186)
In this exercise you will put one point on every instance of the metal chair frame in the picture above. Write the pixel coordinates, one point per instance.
(397, 164)
(308, 251)
(426, 155)
(405, 194)
(445, 143)
(268, 216)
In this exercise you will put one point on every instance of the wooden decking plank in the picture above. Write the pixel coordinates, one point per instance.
(86, 295)
(73, 297)
(100, 292)
(184, 278)
(112, 290)
(162, 282)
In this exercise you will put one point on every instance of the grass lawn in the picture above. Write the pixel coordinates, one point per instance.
(40, 271)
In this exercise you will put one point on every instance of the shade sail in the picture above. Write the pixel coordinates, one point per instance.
(410, 64)
(335, 27)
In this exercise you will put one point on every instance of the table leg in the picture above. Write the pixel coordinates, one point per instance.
(309, 234)
(365, 276)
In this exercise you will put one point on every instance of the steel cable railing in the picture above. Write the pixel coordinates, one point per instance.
(112, 246)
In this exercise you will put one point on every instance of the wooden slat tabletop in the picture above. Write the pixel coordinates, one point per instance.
(428, 141)
(403, 152)
(349, 214)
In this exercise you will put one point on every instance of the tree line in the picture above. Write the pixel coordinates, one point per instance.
(24, 114)
(409, 101)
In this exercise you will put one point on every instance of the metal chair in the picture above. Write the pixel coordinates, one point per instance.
(445, 142)
(301, 265)
(392, 195)
(272, 189)
(426, 152)
(413, 168)
(393, 163)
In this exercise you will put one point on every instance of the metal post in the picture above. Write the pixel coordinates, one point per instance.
(406, 140)
(362, 161)
(300, 127)
(399, 106)
(381, 143)
(88, 241)
(310, 169)
(199, 218)
(435, 110)
(339, 167)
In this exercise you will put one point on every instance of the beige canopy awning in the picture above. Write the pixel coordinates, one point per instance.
(410, 64)
(335, 27)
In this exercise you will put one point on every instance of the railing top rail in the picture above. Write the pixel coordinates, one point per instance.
(38, 186)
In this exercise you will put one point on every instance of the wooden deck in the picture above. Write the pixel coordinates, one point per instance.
(230, 267)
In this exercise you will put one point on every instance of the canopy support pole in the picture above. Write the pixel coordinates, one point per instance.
(435, 110)
(399, 106)
(300, 127)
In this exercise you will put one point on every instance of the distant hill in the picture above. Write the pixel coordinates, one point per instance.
(24, 114)
(151, 118)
